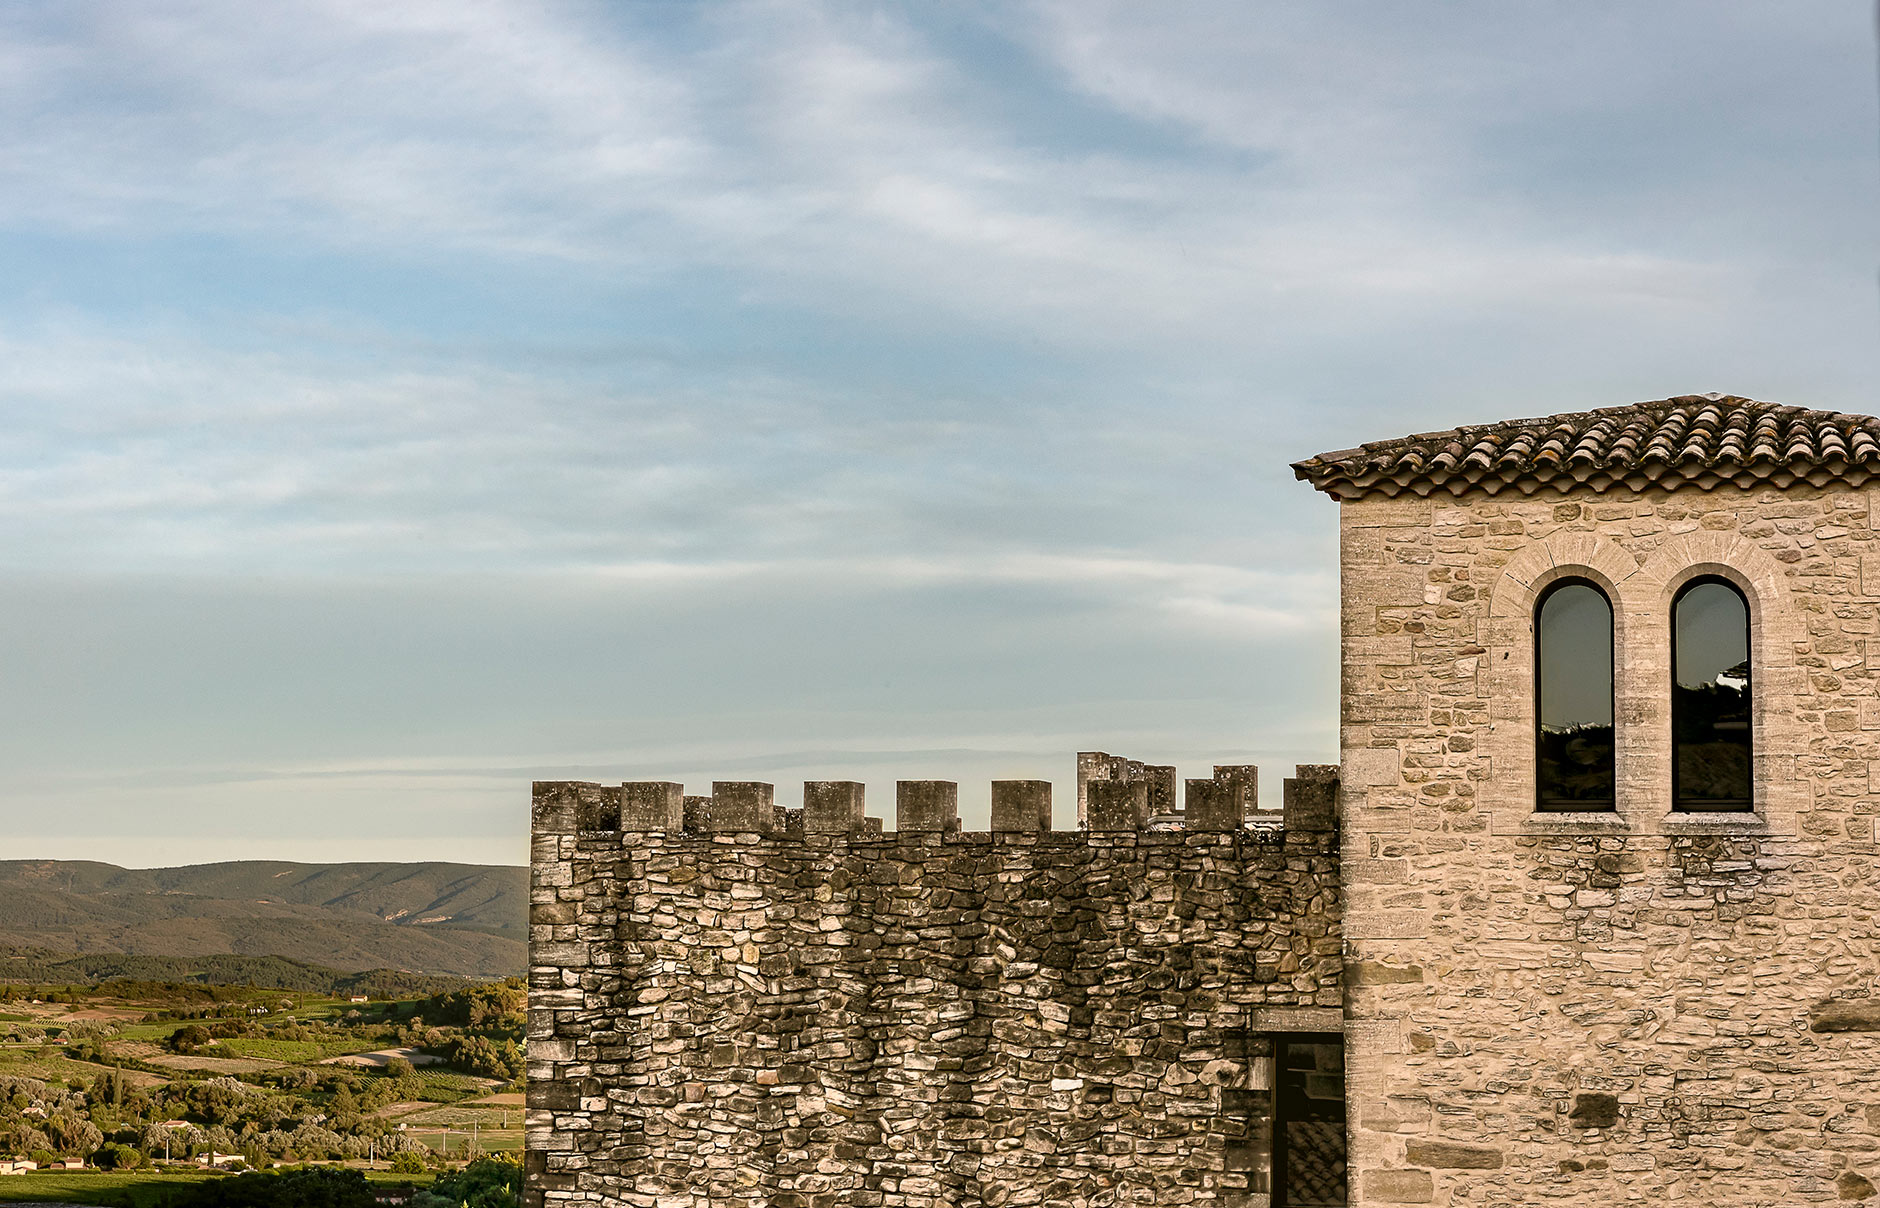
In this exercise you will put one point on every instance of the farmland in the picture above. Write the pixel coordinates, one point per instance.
(150, 1081)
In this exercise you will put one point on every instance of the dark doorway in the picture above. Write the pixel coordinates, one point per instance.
(1286, 1130)
(1309, 1121)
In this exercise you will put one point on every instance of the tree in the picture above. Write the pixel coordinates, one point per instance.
(115, 1156)
(188, 1039)
(407, 1161)
(488, 1182)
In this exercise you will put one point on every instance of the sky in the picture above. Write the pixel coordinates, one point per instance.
(401, 403)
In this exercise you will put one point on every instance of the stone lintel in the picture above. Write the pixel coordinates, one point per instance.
(1296, 1019)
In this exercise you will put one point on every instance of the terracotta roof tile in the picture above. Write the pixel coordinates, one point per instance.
(1705, 441)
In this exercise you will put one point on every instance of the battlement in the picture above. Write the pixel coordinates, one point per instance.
(735, 1005)
(1114, 796)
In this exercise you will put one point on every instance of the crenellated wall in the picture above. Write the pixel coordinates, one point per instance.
(732, 1005)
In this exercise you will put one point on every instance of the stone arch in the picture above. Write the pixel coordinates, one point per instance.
(1776, 628)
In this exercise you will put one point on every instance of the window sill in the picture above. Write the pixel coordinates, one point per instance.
(1720, 822)
(1574, 822)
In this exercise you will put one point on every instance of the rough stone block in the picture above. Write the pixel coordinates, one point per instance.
(1311, 798)
(926, 805)
(831, 807)
(1021, 805)
(1119, 805)
(744, 806)
(1214, 805)
(1372, 767)
(651, 805)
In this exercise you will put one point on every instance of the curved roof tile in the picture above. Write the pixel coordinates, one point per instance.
(1704, 440)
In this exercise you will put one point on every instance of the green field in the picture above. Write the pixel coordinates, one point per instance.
(290, 1052)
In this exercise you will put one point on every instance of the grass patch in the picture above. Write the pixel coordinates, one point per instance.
(137, 1188)
(438, 1086)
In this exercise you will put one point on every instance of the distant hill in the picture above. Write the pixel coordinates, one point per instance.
(466, 920)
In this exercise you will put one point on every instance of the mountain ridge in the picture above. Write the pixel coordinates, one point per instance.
(431, 917)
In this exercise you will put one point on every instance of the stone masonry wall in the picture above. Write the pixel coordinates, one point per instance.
(1644, 1007)
(778, 1010)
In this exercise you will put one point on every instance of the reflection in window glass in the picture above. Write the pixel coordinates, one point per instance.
(1710, 715)
(1573, 637)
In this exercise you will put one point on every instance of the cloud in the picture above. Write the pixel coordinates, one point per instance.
(779, 385)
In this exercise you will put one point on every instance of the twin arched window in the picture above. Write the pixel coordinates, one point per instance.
(1710, 698)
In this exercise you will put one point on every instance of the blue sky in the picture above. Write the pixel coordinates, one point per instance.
(404, 402)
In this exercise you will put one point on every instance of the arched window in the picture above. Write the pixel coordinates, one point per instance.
(1573, 698)
(1710, 697)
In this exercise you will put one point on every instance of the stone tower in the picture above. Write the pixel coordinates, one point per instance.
(1610, 924)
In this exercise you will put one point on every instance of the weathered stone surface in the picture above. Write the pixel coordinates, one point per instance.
(1311, 801)
(744, 807)
(1853, 1186)
(1399, 1186)
(650, 805)
(1214, 805)
(926, 805)
(1453, 1155)
(1118, 805)
(1021, 805)
(832, 807)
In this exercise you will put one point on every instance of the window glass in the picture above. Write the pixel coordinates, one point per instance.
(1710, 698)
(1573, 636)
